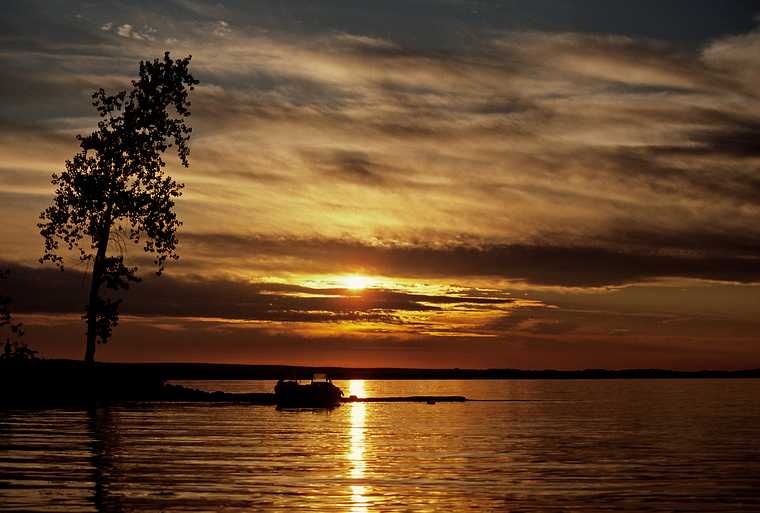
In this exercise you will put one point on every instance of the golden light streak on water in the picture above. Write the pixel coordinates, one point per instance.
(356, 387)
(357, 414)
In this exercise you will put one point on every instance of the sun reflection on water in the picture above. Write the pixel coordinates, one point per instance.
(356, 454)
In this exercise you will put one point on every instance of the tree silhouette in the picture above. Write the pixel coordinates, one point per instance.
(115, 188)
(13, 348)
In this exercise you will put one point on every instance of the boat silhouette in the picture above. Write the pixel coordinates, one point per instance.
(320, 392)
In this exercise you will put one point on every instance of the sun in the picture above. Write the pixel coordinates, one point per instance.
(356, 282)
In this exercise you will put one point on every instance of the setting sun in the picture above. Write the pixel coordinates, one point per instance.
(356, 282)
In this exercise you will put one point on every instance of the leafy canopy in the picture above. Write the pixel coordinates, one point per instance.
(117, 178)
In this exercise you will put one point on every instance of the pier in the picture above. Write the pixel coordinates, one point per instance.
(180, 393)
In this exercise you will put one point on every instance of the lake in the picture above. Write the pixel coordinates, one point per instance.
(543, 446)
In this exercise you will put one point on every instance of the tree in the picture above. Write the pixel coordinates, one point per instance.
(13, 349)
(115, 188)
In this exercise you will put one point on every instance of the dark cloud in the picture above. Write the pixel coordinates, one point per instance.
(51, 291)
(352, 166)
(743, 246)
(741, 141)
(202, 341)
(540, 264)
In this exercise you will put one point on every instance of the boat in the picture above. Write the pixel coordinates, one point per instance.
(320, 392)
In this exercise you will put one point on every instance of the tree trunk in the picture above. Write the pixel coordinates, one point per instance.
(97, 277)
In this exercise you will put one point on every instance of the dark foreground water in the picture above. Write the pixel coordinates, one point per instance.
(585, 446)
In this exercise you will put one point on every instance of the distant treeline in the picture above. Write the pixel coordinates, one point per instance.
(178, 371)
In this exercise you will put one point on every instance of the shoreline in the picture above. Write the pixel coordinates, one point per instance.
(70, 382)
(229, 371)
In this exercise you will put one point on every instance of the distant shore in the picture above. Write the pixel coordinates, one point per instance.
(190, 371)
(58, 383)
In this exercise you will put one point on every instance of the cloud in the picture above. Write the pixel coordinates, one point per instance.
(130, 32)
(352, 166)
(537, 264)
(736, 56)
(221, 28)
(48, 291)
(366, 42)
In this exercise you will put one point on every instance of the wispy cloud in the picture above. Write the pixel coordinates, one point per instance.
(128, 31)
(373, 310)
(222, 28)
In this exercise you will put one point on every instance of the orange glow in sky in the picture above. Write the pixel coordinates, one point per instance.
(356, 282)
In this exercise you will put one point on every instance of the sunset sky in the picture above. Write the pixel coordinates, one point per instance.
(453, 183)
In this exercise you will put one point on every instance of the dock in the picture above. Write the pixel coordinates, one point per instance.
(429, 399)
(179, 393)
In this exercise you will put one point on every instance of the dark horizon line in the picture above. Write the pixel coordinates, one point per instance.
(228, 371)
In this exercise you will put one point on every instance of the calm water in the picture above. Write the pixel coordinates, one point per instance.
(581, 446)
